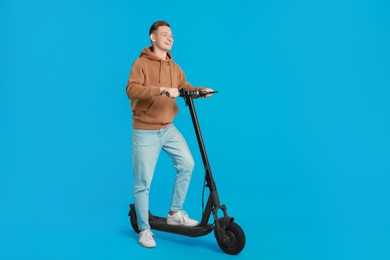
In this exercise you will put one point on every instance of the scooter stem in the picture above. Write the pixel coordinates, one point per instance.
(190, 103)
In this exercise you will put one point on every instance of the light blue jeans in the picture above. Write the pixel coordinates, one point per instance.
(147, 145)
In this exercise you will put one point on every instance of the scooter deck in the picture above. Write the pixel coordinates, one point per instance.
(160, 224)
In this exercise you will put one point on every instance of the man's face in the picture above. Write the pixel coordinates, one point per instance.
(163, 38)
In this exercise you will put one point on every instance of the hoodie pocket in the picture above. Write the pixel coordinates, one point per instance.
(161, 111)
(142, 106)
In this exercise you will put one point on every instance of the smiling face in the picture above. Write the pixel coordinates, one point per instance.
(162, 38)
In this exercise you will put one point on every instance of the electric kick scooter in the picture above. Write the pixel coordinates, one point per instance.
(229, 235)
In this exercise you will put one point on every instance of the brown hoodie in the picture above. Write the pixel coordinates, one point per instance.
(151, 110)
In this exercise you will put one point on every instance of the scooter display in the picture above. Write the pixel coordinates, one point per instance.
(229, 235)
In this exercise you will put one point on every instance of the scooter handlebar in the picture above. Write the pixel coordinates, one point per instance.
(194, 93)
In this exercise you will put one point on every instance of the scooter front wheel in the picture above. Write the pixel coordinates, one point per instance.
(236, 239)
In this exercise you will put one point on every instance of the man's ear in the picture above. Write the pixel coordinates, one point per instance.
(153, 37)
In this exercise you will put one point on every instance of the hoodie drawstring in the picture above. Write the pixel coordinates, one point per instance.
(148, 53)
(170, 74)
(159, 72)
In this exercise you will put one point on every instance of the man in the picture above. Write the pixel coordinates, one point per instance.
(152, 88)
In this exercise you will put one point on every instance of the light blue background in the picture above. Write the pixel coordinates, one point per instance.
(298, 137)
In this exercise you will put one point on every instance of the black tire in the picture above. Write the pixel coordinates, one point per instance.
(133, 218)
(237, 239)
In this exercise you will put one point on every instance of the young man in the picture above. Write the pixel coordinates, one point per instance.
(152, 88)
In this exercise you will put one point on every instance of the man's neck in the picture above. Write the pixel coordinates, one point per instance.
(160, 53)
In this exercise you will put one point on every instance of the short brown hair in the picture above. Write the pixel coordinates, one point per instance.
(157, 24)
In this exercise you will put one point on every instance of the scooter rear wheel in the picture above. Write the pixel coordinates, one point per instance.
(236, 239)
(133, 218)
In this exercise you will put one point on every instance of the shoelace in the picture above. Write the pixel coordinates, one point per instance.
(149, 235)
(183, 216)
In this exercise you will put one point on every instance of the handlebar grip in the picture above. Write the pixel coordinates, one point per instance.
(205, 93)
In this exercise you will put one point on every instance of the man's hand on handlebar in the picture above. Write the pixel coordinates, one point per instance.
(203, 90)
(199, 92)
(170, 92)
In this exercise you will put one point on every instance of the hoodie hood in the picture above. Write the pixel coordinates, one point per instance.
(148, 53)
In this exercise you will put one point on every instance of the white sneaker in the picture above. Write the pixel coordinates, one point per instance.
(146, 238)
(181, 218)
